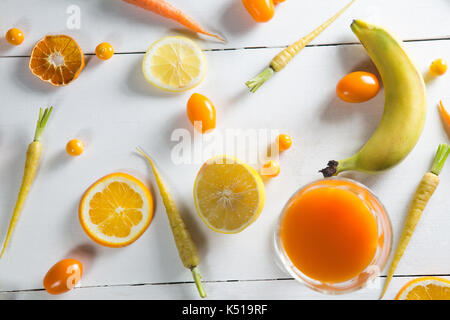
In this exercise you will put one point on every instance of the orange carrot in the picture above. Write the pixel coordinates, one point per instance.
(162, 8)
(445, 116)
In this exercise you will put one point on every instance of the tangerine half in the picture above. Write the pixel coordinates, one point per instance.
(57, 59)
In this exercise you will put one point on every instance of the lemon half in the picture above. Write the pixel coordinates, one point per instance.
(174, 64)
(229, 195)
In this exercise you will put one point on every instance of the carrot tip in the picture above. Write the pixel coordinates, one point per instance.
(224, 40)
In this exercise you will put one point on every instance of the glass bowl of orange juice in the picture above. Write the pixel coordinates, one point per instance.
(334, 235)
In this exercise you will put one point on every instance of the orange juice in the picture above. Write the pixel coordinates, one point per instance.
(329, 232)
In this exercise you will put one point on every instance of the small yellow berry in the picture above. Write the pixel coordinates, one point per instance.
(270, 169)
(284, 142)
(104, 51)
(75, 147)
(438, 67)
(14, 36)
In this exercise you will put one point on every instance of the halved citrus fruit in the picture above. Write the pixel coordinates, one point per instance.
(57, 60)
(174, 64)
(425, 288)
(229, 195)
(116, 210)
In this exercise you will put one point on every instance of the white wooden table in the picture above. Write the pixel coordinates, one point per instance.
(112, 108)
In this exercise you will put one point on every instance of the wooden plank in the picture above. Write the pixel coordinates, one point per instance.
(131, 29)
(112, 108)
(239, 290)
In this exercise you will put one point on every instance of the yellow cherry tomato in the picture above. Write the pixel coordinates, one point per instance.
(104, 51)
(438, 67)
(63, 276)
(75, 147)
(201, 113)
(14, 36)
(270, 169)
(358, 86)
(260, 10)
(284, 142)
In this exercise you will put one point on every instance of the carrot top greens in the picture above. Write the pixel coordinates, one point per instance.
(42, 122)
(440, 157)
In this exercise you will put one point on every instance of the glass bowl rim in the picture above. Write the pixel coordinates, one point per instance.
(283, 258)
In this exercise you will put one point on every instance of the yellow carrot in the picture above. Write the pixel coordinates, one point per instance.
(421, 197)
(183, 240)
(31, 165)
(283, 58)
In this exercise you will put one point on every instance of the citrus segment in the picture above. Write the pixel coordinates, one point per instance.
(425, 288)
(229, 195)
(174, 64)
(116, 210)
(57, 60)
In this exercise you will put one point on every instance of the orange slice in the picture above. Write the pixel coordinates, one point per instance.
(116, 210)
(425, 288)
(57, 59)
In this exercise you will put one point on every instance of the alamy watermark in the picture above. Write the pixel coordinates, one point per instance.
(252, 146)
(74, 17)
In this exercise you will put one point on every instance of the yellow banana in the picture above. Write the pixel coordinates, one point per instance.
(405, 105)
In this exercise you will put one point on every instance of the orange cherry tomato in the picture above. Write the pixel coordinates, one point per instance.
(284, 142)
(63, 276)
(270, 169)
(75, 147)
(260, 10)
(438, 67)
(14, 36)
(104, 51)
(201, 111)
(358, 86)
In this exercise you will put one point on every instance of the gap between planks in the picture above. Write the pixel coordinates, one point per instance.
(205, 281)
(257, 47)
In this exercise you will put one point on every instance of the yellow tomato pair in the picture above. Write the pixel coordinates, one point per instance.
(272, 168)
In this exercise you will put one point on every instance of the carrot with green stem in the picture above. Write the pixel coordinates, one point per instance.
(423, 193)
(183, 240)
(31, 165)
(162, 8)
(284, 57)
